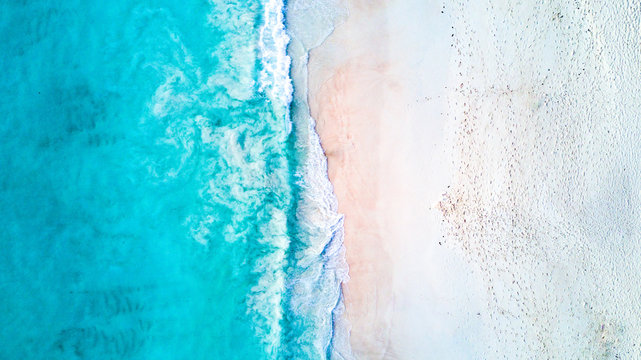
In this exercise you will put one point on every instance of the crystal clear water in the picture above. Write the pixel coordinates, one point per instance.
(154, 200)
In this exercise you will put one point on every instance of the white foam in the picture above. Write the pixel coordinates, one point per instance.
(274, 78)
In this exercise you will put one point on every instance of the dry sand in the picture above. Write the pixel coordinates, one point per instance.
(525, 114)
(377, 90)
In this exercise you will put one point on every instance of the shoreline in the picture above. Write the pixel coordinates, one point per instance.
(308, 24)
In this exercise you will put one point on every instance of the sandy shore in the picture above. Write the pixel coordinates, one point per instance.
(377, 90)
(519, 123)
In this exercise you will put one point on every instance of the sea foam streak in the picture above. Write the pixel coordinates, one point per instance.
(274, 77)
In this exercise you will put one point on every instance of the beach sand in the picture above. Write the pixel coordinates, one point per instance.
(377, 90)
(486, 158)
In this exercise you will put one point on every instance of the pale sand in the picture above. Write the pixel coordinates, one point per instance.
(377, 89)
(540, 119)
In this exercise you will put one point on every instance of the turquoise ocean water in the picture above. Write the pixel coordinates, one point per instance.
(155, 193)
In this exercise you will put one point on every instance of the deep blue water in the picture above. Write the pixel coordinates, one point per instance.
(151, 186)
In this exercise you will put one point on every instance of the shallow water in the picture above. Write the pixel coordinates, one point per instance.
(151, 186)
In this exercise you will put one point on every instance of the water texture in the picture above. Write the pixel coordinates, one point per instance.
(153, 192)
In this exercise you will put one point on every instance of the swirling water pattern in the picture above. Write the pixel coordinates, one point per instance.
(150, 185)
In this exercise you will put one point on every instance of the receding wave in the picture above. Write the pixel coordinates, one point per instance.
(322, 263)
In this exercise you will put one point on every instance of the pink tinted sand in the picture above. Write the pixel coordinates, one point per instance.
(377, 90)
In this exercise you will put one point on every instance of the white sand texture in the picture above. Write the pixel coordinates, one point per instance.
(487, 158)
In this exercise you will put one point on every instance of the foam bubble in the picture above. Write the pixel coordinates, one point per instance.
(274, 77)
